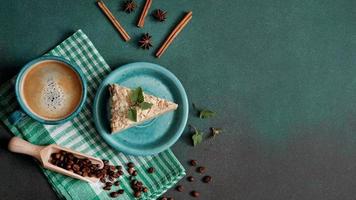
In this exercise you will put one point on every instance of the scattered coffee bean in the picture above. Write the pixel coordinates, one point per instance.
(119, 167)
(193, 162)
(190, 178)
(103, 180)
(179, 188)
(134, 173)
(201, 170)
(108, 183)
(114, 194)
(121, 191)
(137, 194)
(117, 183)
(151, 170)
(107, 187)
(195, 193)
(207, 179)
(131, 171)
(112, 167)
(138, 187)
(130, 165)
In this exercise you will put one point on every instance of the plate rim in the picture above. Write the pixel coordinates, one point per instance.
(178, 133)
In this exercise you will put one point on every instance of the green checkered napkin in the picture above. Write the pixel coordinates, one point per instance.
(80, 134)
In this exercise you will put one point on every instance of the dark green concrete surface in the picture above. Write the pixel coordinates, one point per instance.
(280, 74)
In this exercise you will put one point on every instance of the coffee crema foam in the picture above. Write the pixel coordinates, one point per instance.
(52, 96)
(51, 89)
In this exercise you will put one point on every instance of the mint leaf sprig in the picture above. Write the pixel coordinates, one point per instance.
(197, 137)
(137, 100)
(204, 113)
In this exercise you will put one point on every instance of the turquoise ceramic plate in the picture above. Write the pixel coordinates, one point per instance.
(153, 136)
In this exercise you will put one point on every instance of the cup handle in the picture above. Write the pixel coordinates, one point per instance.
(16, 117)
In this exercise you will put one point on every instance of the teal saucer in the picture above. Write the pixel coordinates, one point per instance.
(156, 135)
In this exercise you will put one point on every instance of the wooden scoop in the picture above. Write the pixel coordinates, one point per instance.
(43, 154)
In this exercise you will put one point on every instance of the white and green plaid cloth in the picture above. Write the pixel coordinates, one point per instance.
(80, 134)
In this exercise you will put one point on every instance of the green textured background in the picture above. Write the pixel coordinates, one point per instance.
(280, 74)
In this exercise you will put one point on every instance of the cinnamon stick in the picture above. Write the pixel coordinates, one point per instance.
(174, 33)
(144, 12)
(114, 21)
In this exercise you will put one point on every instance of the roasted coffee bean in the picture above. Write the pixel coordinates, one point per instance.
(108, 183)
(114, 194)
(201, 170)
(120, 172)
(195, 193)
(145, 189)
(130, 171)
(118, 167)
(190, 178)
(117, 183)
(111, 173)
(151, 170)
(130, 164)
(179, 188)
(121, 191)
(105, 162)
(76, 167)
(206, 179)
(116, 175)
(107, 187)
(193, 162)
(103, 180)
(134, 182)
(170, 198)
(70, 156)
(111, 178)
(57, 155)
(164, 198)
(139, 183)
(134, 173)
(137, 194)
(112, 168)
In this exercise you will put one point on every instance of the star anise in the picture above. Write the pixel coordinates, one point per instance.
(145, 41)
(160, 15)
(129, 6)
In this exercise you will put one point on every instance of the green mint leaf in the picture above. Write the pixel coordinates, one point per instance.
(140, 97)
(215, 131)
(197, 137)
(132, 114)
(134, 96)
(145, 105)
(203, 114)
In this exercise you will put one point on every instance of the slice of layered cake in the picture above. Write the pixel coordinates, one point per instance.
(130, 107)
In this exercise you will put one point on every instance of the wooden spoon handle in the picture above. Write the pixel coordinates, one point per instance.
(19, 145)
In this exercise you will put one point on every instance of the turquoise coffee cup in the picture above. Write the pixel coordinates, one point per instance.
(24, 110)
